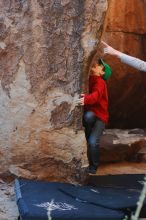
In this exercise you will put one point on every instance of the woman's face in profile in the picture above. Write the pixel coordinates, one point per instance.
(98, 70)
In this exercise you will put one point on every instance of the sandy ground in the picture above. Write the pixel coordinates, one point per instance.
(122, 168)
(8, 207)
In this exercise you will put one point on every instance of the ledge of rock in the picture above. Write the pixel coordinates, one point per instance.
(123, 145)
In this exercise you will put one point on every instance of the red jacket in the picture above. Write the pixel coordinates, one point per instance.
(97, 99)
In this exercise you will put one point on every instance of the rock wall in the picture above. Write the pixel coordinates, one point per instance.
(125, 30)
(44, 48)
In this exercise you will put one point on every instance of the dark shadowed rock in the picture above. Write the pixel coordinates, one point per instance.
(125, 30)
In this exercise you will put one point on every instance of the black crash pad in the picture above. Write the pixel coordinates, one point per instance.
(34, 198)
(106, 197)
(121, 181)
(133, 181)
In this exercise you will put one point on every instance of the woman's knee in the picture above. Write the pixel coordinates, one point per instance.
(89, 117)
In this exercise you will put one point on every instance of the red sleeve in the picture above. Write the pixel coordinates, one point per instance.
(96, 94)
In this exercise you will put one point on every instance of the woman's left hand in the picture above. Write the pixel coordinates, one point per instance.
(80, 101)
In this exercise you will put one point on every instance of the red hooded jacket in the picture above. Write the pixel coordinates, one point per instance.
(97, 99)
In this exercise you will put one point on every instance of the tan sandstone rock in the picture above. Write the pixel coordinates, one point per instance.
(43, 54)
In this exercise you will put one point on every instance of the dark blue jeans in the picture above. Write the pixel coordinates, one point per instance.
(93, 128)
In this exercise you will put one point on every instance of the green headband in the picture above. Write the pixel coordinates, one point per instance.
(107, 69)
